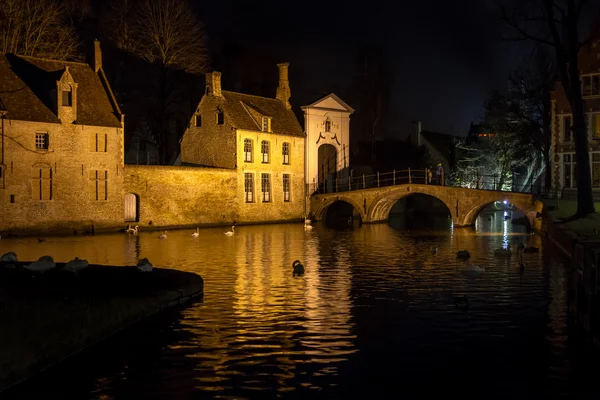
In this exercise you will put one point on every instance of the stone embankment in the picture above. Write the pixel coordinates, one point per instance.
(47, 317)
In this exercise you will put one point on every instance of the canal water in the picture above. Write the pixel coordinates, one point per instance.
(376, 315)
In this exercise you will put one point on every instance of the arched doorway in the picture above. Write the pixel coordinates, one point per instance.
(327, 167)
(132, 208)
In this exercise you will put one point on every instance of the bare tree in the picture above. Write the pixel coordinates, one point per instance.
(37, 28)
(560, 24)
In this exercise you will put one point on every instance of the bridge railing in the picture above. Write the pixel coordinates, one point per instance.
(424, 177)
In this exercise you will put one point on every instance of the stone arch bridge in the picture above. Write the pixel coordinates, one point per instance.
(374, 204)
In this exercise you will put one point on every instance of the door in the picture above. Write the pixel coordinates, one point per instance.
(131, 208)
(327, 165)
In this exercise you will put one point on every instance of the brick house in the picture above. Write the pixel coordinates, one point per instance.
(258, 137)
(62, 145)
(564, 168)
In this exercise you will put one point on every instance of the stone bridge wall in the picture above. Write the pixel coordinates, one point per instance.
(374, 205)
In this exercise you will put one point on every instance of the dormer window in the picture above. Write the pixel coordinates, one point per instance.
(67, 98)
(590, 85)
(266, 124)
(220, 117)
(328, 125)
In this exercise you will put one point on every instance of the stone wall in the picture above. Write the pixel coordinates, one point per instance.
(68, 184)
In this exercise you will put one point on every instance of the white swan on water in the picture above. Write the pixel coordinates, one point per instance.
(197, 233)
(163, 235)
(231, 232)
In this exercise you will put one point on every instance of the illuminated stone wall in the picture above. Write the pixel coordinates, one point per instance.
(68, 187)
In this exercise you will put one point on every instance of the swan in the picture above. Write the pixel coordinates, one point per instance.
(163, 235)
(298, 267)
(9, 260)
(76, 265)
(43, 264)
(144, 265)
(231, 232)
(197, 233)
(308, 227)
(503, 252)
(133, 230)
(463, 254)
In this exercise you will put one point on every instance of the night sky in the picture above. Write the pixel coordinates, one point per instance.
(446, 57)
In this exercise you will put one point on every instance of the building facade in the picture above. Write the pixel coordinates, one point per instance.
(564, 166)
(259, 138)
(62, 145)
(327, 155)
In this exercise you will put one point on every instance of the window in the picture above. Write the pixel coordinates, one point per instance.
(198, 121)
(285, 152)
(328, 125)
(249, 187)
(67, 98)
(41, 141)
(99, 142)
(12, 198)
(264, 150)
(248, 150)
(220, 117)
(286, 187)
(265, 124)
(595, 129)
(265, 185)
(590, 85)
(41, 183)
(567, 128)
(596, 170)
(569, 171)
(99, 185)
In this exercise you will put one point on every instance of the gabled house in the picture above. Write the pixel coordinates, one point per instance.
(62, 145)
(258, 137)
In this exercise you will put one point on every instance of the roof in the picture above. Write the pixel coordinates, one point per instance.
(236, 107)
(441, 142)
(28, 91)
(330, 96)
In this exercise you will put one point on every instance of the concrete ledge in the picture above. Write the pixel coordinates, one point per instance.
(48, 317)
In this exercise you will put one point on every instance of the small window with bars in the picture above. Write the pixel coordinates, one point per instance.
(249, 187)
(285, 152)
(264, 150)
(41, 141)
(265, 185)
(248, 150)
(286, 187)
(265, 124)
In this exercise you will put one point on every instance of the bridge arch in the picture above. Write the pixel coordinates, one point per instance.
(320, 212)
(382, 205)
(526, 207)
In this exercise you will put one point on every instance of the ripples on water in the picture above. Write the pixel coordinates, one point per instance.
(374, 316)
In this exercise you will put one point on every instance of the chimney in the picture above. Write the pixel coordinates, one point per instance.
(283, 90)
(418, 133)
(95, 56)
(213, 84)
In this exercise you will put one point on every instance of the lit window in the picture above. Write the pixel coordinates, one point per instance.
(41, 183)
(265, 124)
(285, 152)
(567, 128)
(590, 85)
(249, 187)
(265, 185)
(198, 121)
(41, 141)
(67, 98)
(596, 126)
(264, 150)
(247, 150)
(286, 187)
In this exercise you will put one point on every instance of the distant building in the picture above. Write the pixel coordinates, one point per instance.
(441, 147)
(62, 145)
(143, 148)
(258, 137)
(564, 167)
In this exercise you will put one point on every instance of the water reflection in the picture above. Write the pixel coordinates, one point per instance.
(373, 315)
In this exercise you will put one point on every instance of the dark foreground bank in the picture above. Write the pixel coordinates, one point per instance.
(45, 318)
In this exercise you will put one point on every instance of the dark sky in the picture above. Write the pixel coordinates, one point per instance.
(445, 56)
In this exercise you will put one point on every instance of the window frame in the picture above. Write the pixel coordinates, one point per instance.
(249, 187)
(285, 153)
(563, 128)
(40, 181)
(594, 85)
(572, 170)
(45, 141)
(101, 184)
(67, 97)
(597, 163)
(286, 182)
(265, 149)
(248, 155)
(265, 183)
(266, 124)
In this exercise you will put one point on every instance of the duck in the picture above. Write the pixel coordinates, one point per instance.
(503, 252)
(163, 235)
(231, 232)
(308, 227)
(9, 260)
(144, 265)
(531, 249)
(43, 264)
(463, 254)
(133, 230)
(434, 250)
(197, 233)
(298, 267)
(76, 265)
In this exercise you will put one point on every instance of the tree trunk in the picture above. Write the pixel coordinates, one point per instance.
(162, 112)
